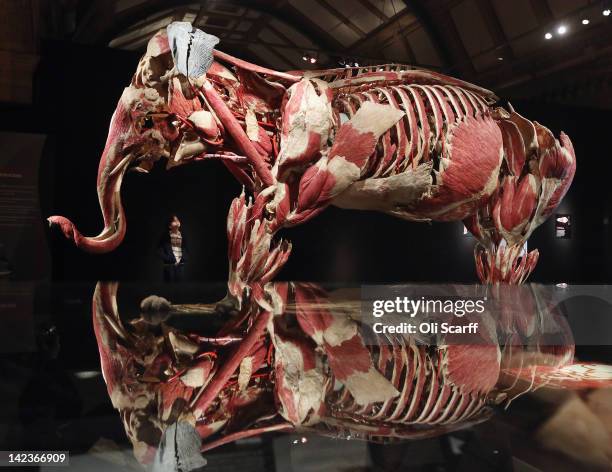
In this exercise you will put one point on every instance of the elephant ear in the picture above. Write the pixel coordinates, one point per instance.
(192, 49)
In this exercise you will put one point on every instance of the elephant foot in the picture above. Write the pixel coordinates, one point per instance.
(502, 263)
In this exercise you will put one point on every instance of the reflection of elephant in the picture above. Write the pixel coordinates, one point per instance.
(408, 142)
(294, 358)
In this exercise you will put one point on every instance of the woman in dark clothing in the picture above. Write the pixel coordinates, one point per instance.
(173, 251)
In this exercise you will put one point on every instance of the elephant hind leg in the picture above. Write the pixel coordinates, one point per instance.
(503, 263)
(537, 172)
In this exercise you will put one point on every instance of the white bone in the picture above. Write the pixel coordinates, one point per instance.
(192, 49)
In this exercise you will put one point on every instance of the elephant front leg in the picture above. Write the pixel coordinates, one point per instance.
(297, 198)
(252, 253)
(254, 256)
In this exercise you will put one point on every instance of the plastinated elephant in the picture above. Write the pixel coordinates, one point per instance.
(409, 142)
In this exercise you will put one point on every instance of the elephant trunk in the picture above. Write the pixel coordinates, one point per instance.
(113, 165)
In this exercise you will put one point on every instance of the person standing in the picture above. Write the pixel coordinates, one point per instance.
(173, 251)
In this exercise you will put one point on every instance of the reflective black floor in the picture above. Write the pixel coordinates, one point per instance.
(54, 397)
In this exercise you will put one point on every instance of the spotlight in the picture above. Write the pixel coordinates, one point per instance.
(606, 12)
(356, 64)
(562, 29)
(305, 58)
(548, 36)
(500, 58)
(585, 21)
(313, 60)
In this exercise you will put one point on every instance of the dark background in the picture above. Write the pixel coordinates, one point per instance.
(76, 90)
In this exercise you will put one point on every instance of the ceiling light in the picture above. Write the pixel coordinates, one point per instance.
(585, 21)
(313, 60)
(606, 12)
(500, 58)
(548, 36)
(562, 29)
(305, 58)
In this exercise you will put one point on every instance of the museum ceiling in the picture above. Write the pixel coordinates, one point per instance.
(498, 43)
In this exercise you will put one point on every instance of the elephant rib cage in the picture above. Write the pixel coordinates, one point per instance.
(431, 111)
(426, 395)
